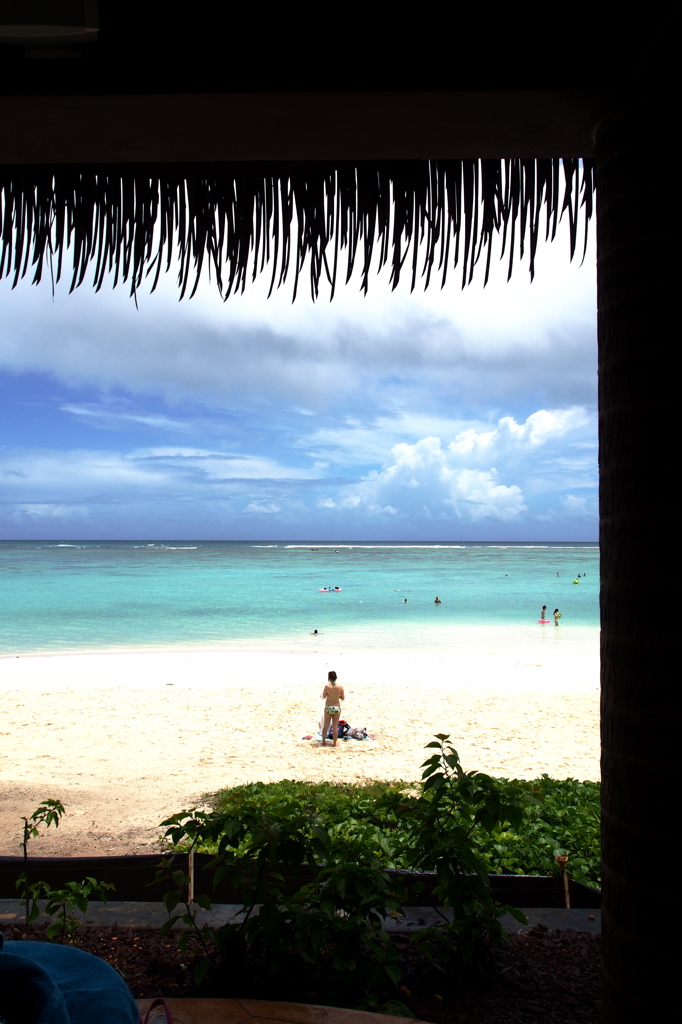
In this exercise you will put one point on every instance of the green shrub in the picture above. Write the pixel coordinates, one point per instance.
(558, 817)
(333, 926)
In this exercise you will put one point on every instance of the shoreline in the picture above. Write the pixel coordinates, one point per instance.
(125, 739)
(447, 637)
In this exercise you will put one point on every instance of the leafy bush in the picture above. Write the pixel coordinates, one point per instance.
(367, 815)
(333, 926)
(559, 817)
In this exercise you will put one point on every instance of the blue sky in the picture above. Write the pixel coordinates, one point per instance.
(445, 415)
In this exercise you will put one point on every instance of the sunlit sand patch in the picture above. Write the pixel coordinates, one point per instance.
(127, 739)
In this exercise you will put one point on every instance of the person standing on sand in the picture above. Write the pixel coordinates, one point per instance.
(333, 694)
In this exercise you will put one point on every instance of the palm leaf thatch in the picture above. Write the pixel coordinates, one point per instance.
(423, 218)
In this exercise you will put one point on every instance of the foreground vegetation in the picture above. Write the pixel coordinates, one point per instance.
(460, 825)
(558, 817)
(323, 929)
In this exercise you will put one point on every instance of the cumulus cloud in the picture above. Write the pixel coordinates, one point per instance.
(507, 472)
(426, 479)
(352, 442)
(577, 505)
(539, 427)
(481, 473)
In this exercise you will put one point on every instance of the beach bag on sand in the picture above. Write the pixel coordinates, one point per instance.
(343, 729)
(358, 734)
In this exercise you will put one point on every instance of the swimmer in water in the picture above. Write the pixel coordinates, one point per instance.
(438, 601)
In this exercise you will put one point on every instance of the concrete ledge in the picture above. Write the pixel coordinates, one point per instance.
(153, 915)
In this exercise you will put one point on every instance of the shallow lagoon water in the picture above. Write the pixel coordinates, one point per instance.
(57, 597)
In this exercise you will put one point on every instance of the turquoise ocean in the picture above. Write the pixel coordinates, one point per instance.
(112, 595)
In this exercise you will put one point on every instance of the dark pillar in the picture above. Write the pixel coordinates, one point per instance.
(639, 396)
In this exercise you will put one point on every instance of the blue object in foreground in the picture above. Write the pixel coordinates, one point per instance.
(42, 983)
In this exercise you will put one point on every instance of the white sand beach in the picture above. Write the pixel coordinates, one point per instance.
(125, 739)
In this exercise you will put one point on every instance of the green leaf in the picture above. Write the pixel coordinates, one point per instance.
(171, 900)
(393, 971)
(517, 914)
(201, 969)
(395, 1008)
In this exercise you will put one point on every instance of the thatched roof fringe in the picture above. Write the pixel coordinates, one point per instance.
(415, 216)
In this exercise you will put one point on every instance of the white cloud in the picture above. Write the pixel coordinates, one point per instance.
(539, 428)
(263, 506)
(35, 474)
(506, 472)
(215, 465)
(473, 443)
(317, 413)
(480, 347)
(37, 512)
(425, 479)
(576, 505)
(114, 419)
(482, 473)
(477, 495)
(54, 479)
